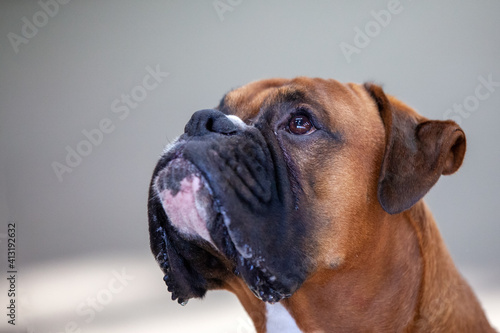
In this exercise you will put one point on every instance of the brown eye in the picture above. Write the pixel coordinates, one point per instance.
(300, 125)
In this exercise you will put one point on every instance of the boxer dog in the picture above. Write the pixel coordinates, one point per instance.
(304, 198)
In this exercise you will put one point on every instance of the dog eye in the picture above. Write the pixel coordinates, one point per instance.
(300, 124)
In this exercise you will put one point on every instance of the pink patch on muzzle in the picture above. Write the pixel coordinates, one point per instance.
(189, 208)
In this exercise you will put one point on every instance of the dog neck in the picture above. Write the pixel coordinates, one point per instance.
(375, 288)
(267, 318)
(408, 282)
(445, 300)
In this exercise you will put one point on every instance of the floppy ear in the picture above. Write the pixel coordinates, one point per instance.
(417, 152)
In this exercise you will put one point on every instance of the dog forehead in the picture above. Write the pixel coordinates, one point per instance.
(344, 105)
(246, 101)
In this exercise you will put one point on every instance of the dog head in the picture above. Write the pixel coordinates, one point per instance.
(271, 185)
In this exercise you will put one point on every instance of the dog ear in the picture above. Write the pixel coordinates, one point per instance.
(417, 152)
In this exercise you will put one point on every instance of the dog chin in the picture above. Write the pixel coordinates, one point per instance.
(186, 199)
(198, 217)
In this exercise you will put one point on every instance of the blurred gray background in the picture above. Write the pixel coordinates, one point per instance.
(72, 70)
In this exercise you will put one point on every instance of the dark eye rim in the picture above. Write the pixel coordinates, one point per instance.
(302, 112)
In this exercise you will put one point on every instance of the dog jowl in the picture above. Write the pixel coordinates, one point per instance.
(215, 193)
(307, 194)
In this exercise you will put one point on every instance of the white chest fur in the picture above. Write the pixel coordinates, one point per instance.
(279, 320)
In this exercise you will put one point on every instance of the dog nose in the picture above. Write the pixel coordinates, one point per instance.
(210, 121)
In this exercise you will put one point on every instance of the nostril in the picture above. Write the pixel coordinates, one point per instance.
(209, 124)
(210, 121)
